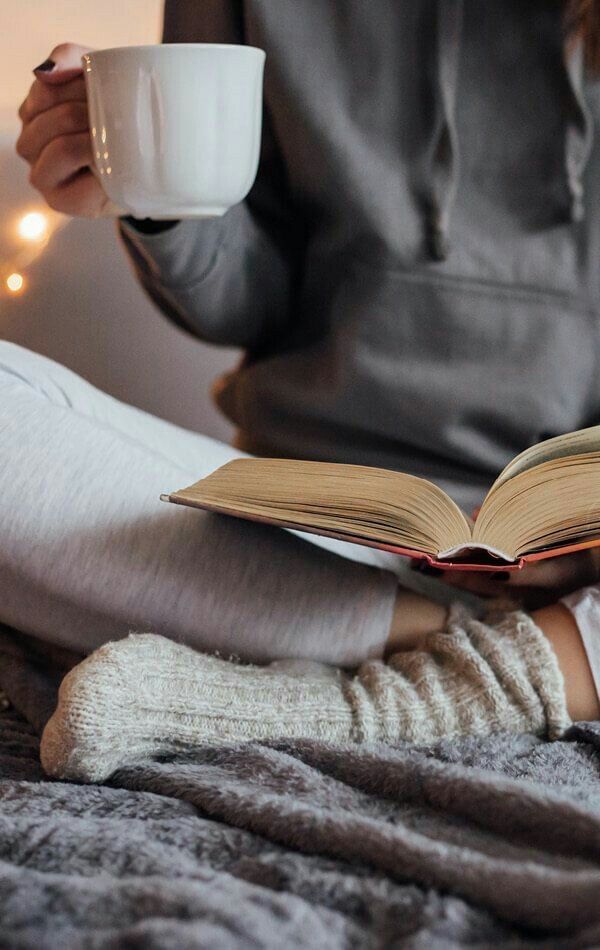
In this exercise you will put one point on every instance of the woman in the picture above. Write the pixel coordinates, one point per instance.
(414, 280)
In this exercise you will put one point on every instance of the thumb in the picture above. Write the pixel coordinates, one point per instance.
(62, 65)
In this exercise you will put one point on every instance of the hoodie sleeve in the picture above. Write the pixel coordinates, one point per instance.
(227, 280)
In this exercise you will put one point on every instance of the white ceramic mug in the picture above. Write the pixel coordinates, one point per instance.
(175, 128)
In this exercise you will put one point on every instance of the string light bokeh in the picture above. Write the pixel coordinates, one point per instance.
(33, 226)
(33, 229)
(15, 283)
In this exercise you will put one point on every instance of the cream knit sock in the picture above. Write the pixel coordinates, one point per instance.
(146, 695)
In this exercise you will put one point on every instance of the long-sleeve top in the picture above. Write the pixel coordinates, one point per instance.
(414, 275)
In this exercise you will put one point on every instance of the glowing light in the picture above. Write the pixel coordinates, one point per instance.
(33, 226)
(15, 283)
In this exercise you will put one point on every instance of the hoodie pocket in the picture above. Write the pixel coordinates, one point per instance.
(474, 370)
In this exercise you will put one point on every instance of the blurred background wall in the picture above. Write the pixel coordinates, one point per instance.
(78, 301)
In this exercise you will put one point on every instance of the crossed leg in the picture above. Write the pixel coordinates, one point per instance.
(88, 552)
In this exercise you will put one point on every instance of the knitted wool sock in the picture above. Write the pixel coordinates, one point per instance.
(146, 695)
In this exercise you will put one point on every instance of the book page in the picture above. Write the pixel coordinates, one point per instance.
(554, 503)
(560, 446)
(376, 504)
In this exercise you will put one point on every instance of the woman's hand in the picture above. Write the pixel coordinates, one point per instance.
(537, 584)
(55, 138)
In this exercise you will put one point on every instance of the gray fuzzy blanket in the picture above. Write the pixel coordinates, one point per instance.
(487, 843)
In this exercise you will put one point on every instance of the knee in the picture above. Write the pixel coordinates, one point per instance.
(17, 362)
(20, 367)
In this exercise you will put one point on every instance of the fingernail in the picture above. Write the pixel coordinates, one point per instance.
(46, 67)
(501, 575)
(432, 571)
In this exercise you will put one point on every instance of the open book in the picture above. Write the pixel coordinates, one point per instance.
(544, 503)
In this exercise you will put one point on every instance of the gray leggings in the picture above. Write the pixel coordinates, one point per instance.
(88, 552)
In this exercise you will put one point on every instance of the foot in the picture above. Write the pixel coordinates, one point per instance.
(145, 696)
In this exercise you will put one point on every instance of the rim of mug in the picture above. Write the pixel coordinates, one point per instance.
(156, 46)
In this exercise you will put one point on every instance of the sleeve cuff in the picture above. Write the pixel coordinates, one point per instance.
(148, 225)
(181, 255)
(584, 605)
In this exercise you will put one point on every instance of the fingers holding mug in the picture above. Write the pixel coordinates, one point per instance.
(61, 158)
(55, 138)
(62, 65)
(65, 118)
(58, 79)
(81, 196)
(42, 97)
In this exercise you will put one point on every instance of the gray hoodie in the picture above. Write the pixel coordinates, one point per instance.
(414, 276)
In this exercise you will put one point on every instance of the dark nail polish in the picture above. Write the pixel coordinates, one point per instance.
(46, 67)
(432, 571)
(501, 575)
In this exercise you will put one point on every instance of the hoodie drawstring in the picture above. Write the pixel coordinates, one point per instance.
(445, 159)
(579, 133)
(579, 130)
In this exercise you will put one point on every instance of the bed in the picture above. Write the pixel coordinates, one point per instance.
(471, 843)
